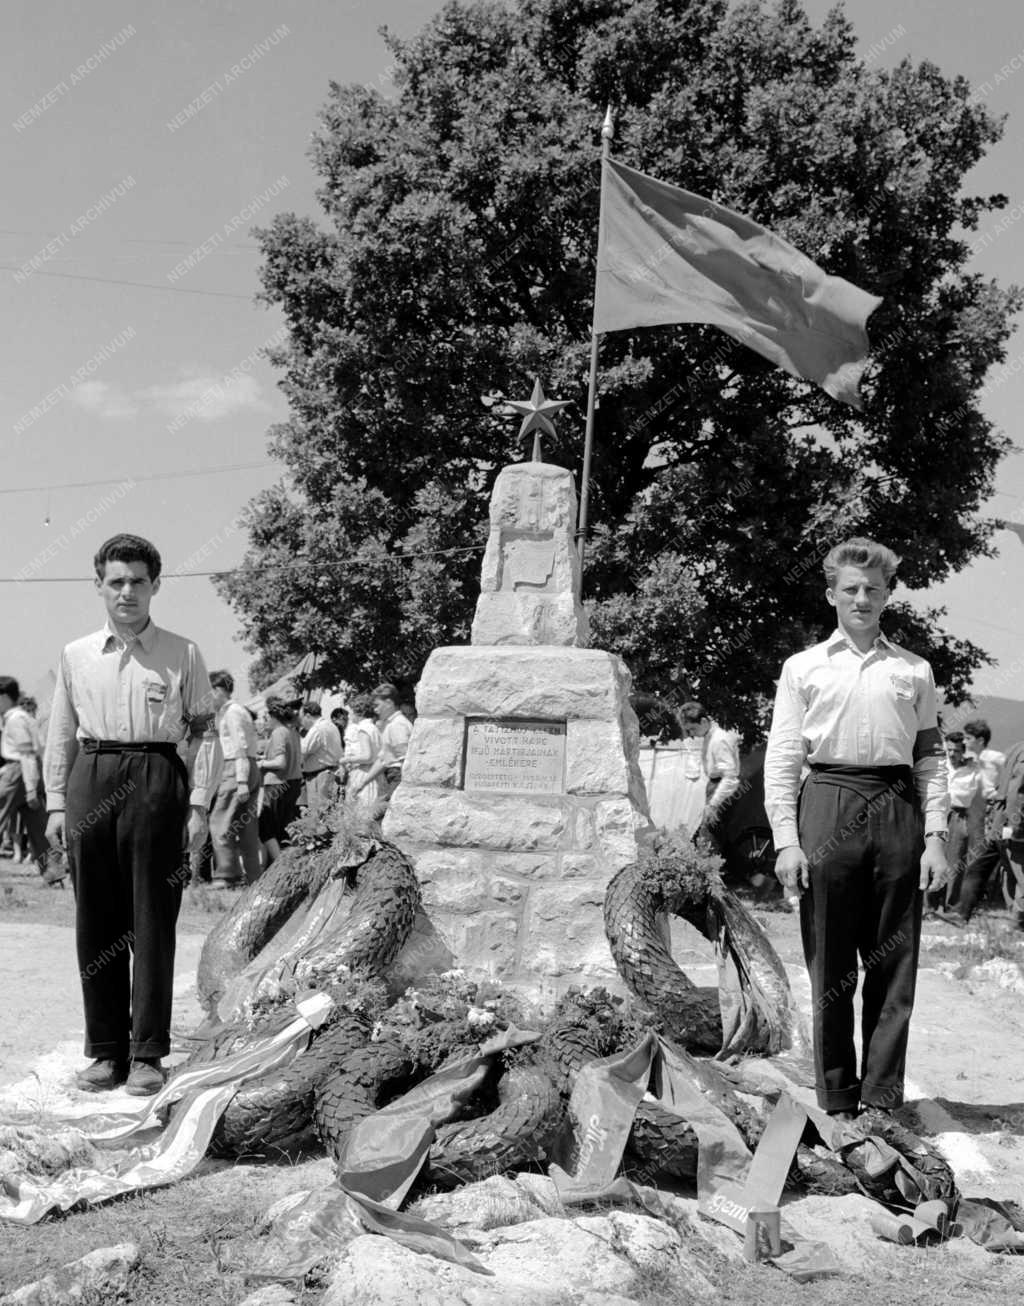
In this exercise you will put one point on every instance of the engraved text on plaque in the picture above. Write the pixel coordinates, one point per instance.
(513, 756)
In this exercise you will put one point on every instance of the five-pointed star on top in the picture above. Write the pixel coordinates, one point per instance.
(537, 410)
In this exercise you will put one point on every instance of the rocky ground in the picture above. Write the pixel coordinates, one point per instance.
(191, 1242)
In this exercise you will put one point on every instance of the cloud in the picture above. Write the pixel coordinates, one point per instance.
(104, 400)
(207, 397)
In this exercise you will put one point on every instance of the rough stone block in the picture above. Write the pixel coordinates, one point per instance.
(510, 681)
(583, 866)
(435, 752)
(594, 759)
(449, 888)
(452, 818)
(564, 931)
(485, 943)
(618, 825)
(528, 618)
(534, 497)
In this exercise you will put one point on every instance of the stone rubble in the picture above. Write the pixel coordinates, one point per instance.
(100, 1275)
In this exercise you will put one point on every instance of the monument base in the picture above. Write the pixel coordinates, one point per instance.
(521, 796)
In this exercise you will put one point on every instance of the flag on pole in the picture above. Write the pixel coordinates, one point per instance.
(665, 256)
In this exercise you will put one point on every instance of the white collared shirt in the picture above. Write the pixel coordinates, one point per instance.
(143, 690)
(837, 705)
(321, 746)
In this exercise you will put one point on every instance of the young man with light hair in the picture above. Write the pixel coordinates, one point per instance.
(117, 792)
(855, 790)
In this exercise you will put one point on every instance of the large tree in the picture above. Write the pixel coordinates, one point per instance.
(458, 261)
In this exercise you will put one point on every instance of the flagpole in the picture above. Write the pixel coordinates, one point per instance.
(607, 132)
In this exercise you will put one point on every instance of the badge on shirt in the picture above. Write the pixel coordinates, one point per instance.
(902, 684)
(156, 691)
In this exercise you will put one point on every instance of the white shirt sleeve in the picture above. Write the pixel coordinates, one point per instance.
(784, 760)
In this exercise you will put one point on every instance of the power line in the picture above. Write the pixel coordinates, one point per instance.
(131, 240)
(143, 285)
(120, 480)
(233, 571)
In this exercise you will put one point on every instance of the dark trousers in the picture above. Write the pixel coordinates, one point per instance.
(124, 825)
(979, 872)
(956, 858)
(864, 858)
(234, 827)
(14, 803)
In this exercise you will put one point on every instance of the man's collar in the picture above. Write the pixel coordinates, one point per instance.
(839, 636)
(146, 636)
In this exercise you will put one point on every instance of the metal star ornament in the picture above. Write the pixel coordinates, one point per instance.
(537, 412)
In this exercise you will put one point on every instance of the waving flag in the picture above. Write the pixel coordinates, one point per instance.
(666, 255)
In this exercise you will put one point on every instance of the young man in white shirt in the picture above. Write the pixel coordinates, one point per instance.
(856, 714)
(234, 826)
(966, 782)
(321, 756)
(21, 781)
(720, 758)
(395, 733)
(117, 792)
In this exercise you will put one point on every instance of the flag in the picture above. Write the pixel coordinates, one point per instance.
(667, 256)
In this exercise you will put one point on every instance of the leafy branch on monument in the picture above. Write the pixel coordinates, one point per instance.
(457, 263)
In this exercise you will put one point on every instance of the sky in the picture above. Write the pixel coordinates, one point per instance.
(140, 143)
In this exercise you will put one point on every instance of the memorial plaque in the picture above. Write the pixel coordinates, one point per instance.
(505, 755)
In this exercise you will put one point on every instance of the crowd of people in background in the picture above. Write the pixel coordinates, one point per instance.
(251, 775)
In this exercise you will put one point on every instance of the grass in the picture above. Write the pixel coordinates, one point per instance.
(193, 1236)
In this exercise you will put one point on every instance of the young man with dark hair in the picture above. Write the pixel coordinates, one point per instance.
(977, 737)
(395, 733)
(117, 792)
(21, 784)
(720, 758)
(860, 713)
(234, 827)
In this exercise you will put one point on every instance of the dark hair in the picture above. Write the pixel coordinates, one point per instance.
(283, 710)
(361, 705)
(127, 548)
(339, 711)
(222, 680)
(10, 687)
(979, 727)
(28, 703)
(310, 708)
(388, 691)
(692, 713)
(955, 737)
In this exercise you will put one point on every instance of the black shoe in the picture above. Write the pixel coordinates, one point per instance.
(103, 1074)
(145, 1078)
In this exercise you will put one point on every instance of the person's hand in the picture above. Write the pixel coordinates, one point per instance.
(242, 793)
(791, 870)
(934, 867)
(55, 830)
(32, 802)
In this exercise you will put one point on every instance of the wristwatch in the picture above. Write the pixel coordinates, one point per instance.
(938, 834)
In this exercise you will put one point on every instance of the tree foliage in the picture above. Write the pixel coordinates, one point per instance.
(457, 261)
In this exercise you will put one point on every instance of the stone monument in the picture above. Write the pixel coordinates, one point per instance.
(521, 793)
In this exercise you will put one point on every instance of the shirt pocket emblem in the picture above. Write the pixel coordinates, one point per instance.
(903, 685)
(156, 692)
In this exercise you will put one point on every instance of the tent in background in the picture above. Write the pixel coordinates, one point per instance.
(291, 685)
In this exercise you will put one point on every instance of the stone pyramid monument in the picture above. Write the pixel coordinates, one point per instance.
(521, 793)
